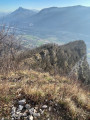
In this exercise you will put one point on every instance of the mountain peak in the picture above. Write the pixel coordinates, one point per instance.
(20, 8)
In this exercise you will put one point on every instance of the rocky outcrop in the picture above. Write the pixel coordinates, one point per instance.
(69, 60)
(24, 111)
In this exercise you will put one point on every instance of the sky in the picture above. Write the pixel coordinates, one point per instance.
(11, 5)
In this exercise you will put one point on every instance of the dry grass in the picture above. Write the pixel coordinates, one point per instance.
(41, 86)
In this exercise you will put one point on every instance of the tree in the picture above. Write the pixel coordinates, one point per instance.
(9, 47)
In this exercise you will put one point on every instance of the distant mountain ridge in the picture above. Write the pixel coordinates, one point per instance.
(18, 16)
(72, 19)
(64, 23)
(52, 20)
(63, 18)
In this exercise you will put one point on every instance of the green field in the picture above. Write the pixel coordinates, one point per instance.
(31, 41)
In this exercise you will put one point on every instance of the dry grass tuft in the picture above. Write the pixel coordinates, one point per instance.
(38, 87)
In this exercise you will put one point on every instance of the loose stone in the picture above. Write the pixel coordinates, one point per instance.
(20, 108)
(27, 106)
(44, 106)
(22, 102)
(30, 117)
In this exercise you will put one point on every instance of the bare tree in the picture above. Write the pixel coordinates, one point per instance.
(9, 46)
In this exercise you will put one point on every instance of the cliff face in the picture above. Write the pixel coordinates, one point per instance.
(69, 60)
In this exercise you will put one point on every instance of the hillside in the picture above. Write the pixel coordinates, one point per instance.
(73, 19)
(51, 97)
(50, 82)
(67, 60)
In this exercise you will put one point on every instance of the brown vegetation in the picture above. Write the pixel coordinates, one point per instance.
(38, 87)
(73, 100)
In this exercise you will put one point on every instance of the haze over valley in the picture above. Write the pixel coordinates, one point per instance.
(51, 25)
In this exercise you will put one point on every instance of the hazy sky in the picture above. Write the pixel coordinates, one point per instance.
(10, 5)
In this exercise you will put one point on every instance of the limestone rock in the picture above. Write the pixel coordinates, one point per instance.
(22, 102)
(27, 106)
(30, 117)
(44, 106)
